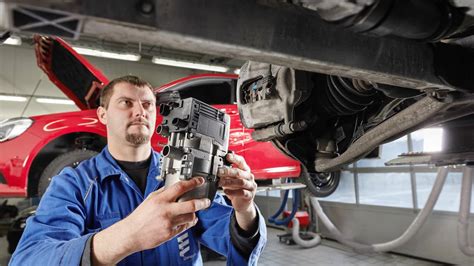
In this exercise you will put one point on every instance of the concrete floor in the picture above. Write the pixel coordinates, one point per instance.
(276, 253)
(328, 253)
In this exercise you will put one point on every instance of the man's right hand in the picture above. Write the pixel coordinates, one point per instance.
(158, 219)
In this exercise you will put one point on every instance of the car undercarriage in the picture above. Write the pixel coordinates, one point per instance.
(327, 81)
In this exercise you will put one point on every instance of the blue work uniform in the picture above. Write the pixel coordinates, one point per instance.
(98, 193)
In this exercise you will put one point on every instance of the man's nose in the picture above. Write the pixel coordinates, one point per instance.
(139, 111)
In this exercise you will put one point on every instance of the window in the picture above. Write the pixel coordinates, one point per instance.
(427, 140)
(385, 189)
(388, 152)
(450, 195)
(210, 91)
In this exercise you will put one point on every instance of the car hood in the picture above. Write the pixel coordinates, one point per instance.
(68, 70)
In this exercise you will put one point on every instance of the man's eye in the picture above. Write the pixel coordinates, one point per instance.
(146, 105)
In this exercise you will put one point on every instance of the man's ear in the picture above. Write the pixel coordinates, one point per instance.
(102, 115)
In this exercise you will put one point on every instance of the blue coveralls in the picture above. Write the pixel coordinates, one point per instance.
(98, 193)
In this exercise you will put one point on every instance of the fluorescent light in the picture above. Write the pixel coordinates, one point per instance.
(106, 54)
(13, 40)
(237, 71)
(187, 64)
(12, 98)
(54, 101)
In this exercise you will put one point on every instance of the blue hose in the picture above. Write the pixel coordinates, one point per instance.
(296, 198)
(272, 218)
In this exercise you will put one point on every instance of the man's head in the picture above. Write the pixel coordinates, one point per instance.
(128, 109)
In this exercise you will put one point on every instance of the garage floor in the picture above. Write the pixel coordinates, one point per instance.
(276, 253)
(328, 253)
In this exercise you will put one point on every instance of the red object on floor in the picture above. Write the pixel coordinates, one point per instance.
(302, 216)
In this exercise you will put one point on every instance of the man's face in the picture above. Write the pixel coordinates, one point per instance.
(131, 115)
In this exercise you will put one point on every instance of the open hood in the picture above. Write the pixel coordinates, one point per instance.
(68, 70)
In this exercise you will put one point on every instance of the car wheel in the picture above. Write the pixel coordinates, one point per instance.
(320, 184)
(72, 159)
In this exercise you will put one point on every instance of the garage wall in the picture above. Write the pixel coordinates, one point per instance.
(19, 75)
(436, 239)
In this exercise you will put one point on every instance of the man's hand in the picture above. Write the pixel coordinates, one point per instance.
(155, 221)
(240, 187)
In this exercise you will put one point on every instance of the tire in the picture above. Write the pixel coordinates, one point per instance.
(320, 185)
(72, 158)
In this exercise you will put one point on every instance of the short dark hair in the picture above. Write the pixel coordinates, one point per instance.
(106, 92)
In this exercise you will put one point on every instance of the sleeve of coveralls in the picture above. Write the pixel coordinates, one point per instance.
(243, 241)
(214, 229)
(53, 235)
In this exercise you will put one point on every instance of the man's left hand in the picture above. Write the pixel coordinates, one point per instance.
(240, 187)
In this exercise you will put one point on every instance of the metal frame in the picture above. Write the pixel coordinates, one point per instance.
(42, 20)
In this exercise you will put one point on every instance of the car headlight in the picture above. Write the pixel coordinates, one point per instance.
(14, 127)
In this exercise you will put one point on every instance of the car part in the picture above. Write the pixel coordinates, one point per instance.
(327, 121)
(278, 33)
(320, 184)
(428, 20)
(267, 107)
(71, 159)
(198, 139)
(13, 127)
(69, 71)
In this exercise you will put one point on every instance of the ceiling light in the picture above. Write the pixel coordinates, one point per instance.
(9, 98)
(13, 40)
(55, 101)
(187, 64)
(106, 54)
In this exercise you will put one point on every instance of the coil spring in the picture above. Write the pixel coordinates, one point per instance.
(344, 96)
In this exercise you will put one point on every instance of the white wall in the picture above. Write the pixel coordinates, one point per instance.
(19, 74)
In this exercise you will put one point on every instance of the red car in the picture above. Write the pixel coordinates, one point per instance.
(36, 148)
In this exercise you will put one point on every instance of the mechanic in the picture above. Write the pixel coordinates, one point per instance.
(111, 208)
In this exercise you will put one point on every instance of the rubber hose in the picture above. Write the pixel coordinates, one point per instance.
(407, 235)
(464, 211)
(295, 233)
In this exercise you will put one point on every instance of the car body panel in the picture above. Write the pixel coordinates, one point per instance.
(19, 153)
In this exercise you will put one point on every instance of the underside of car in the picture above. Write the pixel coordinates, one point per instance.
(327, 81)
